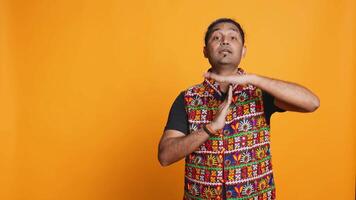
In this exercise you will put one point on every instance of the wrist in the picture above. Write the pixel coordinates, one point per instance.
(252, 79)
(210, 130)
(212, 126)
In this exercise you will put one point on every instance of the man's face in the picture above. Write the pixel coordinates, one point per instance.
(224, 46)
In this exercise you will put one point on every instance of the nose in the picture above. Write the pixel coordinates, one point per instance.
(225, 41)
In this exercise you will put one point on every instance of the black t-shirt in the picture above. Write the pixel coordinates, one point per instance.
(178, 118)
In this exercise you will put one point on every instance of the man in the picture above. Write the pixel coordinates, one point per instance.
(221, 126)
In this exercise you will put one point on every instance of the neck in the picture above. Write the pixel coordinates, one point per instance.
(225, 70)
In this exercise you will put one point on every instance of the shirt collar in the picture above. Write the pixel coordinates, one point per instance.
(215, 85)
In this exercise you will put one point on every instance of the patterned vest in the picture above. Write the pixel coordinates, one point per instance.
(237, 163)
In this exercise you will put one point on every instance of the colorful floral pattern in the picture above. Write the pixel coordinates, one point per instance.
(237, 163)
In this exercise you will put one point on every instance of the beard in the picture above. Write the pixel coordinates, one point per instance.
(228, 59)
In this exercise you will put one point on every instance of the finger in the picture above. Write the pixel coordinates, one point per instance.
(222, 105)
(230, 95)
(228, 99)
(206, 75)
(217, 77)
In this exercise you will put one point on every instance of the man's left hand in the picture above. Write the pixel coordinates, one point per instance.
(232, 79)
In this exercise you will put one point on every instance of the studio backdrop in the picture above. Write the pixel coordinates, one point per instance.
(86, 87)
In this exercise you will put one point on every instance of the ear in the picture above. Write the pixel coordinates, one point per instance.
(244, 50)
(205, 52)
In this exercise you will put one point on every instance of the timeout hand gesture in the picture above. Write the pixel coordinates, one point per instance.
(233, 79)
(219, 120)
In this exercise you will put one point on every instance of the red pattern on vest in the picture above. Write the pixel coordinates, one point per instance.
(237, 163)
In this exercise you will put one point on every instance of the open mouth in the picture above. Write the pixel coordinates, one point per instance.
(225, 51)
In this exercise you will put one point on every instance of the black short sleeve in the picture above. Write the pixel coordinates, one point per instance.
(268, 105)
(178, 119)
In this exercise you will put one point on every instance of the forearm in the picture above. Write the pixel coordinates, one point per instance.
(173, 149)
(287, 92)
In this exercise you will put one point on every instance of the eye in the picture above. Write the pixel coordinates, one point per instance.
(233, 38)
(216, 38)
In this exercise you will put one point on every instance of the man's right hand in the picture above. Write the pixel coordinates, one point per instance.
(175, 145)
(219, 120)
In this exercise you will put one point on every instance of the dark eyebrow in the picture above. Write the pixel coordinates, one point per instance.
(216, 29)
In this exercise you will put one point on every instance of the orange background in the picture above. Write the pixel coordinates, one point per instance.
(86, 87)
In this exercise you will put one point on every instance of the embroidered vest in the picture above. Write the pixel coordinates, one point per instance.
(236, 164)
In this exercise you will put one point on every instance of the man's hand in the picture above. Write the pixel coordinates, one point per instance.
(288, 96)
(219, 120)
(233, 79)
(175, 145)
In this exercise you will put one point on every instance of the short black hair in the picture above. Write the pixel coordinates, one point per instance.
(223, 20)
